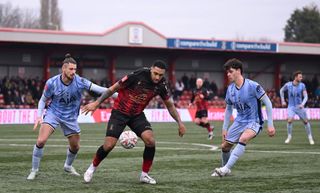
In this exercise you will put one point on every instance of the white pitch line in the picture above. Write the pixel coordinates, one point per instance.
(286, 152)
(117, 147)
(211, 147)
(35, 139)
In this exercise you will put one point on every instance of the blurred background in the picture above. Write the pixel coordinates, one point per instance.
(110, 39)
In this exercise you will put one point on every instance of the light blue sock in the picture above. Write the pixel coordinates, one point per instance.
(36, 157)
(289, 128)
(225, 157)
(70, 157)
(308, 129)
(235, 154)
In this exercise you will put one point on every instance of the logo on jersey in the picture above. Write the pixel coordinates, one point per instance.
(140, 99)
(241, 106)
(45, 87)
(67, 100)
(258, 89)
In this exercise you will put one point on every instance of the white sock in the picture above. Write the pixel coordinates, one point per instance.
(224, 169)
(236, 153)
(36, 157)
(70, 158)
(92, 168)
(144, 174)
(308, 129)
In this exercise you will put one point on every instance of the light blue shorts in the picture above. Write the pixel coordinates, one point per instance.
(302, 114)
(68, 127)
(237, 128)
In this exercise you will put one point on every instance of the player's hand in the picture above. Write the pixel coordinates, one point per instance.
(201, 96)
(36, 123)
(182, 129)
(271, 131)
(284, 104)
(224, 134)
(91, 107)
(300, 106)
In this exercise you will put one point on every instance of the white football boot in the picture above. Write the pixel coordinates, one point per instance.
(287, 141)
(147, 179)
(219, 172)
(311, 141)
(32, 174)
(87, 176)
(210, 135)
(71, 170)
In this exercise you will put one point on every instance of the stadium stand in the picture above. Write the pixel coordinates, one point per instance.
(21, 93)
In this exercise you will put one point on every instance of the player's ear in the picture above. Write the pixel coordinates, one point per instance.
(64, 66)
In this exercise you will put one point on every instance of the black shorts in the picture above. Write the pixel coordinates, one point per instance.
(118, 121)
(201, 113)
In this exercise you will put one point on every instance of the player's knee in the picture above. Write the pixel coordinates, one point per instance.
(108, 146)
(244, 140)
(225, 147)
(41, 142)
(75, 148)
(204, 120)
(289, 121)
(149, 142)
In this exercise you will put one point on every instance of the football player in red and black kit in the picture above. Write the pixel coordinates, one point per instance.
(200, 96)
(134, 93)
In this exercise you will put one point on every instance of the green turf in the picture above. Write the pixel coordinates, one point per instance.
(180, 164)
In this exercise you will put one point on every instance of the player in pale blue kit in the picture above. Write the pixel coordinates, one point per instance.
(64, 91)
(296, 89)
(244, 95)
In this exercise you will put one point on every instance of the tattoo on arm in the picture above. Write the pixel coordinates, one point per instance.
(109, 92)
(105, 95)
(173, 111)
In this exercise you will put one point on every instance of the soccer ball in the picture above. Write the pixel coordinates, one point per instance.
(128, 139)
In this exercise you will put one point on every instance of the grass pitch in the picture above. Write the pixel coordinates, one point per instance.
(180, 165)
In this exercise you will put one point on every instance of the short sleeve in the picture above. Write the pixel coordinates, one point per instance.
(205, 93)
(303, 87)
(164, 92)
(258, 90)
(127, 80)
(285, 87)
(48, 89)
(85, 83)
(227, 99)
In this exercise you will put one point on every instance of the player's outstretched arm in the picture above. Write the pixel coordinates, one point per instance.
(271, 130)
(91, 107)
(100, 90)
(97, 89)
(175, 115)
(41, 106)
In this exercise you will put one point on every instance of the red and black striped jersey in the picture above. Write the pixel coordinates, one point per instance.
(201, 103)
(136, 91)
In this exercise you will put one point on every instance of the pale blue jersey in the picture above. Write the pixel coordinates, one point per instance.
(295, 93)
(246, 100)
(65, 99)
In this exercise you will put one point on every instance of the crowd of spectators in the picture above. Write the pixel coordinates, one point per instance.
(16, 92)
(19, 92)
